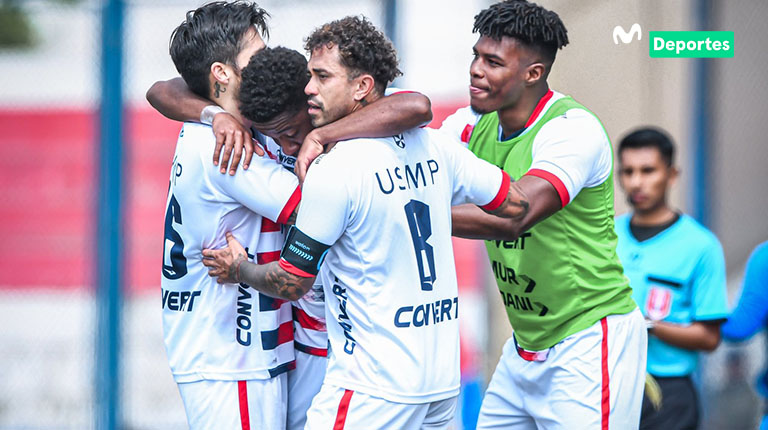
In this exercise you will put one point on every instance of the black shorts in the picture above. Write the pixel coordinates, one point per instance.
(679, 406)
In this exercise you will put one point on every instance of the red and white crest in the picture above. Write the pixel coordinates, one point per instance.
(658, 303)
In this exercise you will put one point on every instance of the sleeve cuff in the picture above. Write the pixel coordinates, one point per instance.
(506, 181)
(555, 181)
(290, 206)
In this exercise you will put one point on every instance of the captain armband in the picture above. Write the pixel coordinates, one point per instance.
(303, 254)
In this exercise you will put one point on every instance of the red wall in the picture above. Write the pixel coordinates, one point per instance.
(48, 179)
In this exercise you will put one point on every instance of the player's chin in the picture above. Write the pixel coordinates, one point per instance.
(480, 107)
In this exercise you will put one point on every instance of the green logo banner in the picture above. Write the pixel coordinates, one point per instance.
(691, 44)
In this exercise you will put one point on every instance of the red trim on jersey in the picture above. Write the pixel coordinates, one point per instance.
(242, 395)
(285, 332)
(539, 107)
(467, 133)
(506, 181)
(269, 154)
(341, 414)
(311, 350)
(606, 396)
(267, 257)
(307, 321)
(405, 92)
(290, 206)
(268, 226)
(293, 270)
(555, 181)
(532, 355)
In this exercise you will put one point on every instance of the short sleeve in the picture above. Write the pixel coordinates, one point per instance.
(460, 124)
(324, 210)
(266, 188)
(572, 152)
(709, 285)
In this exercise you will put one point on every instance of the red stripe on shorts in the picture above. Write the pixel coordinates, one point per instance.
(341, 415)
(242, 395)
(606, 398)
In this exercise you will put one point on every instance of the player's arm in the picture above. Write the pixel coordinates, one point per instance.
(699, 336)
(231, 265)
(752, 311)
(386, 116)
(708, 304)
(174, 100)
(530, 200)
(570, 153)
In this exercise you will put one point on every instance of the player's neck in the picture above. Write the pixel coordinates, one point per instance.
(514, 118)
(659, 215)
(230, 105)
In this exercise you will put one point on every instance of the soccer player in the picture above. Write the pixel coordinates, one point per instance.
(577, 355)
(228, 346)
(751, 313)
(375, 215)
(676, 269)
(398, 112)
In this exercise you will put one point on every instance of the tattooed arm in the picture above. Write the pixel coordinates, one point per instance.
(529, 200)
(231, 265)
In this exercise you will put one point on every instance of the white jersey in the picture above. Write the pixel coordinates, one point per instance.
(229, 331)
(389, 278)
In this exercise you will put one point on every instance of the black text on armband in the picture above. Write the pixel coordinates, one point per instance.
(303, 252)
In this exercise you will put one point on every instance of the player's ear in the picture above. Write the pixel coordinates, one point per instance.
(365, 85)
(534, 73)
(221, 72)
(674, 173)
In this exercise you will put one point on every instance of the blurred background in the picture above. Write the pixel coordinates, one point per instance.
(74, 340)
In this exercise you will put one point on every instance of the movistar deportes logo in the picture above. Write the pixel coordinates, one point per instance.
(627, 37)
(691, 44)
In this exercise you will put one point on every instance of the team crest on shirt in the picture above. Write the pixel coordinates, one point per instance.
(399, 140)
(658, 304)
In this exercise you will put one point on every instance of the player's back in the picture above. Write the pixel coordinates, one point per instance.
(213, 331)
(391, 292)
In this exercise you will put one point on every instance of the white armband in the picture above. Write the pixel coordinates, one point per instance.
(206, 116)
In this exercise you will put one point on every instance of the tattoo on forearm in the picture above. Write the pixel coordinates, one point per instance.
(516, 197)
(218, 89)
(272, 280)
(516, 203)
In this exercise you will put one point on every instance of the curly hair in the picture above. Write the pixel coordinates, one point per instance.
(273, 83)
(529, 23)
(362, 48)
(213, 32)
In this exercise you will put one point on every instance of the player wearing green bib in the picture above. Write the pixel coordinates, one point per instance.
(577, 356)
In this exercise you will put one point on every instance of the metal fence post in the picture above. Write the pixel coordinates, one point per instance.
(109, 236)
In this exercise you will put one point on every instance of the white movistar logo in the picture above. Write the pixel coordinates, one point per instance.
(626, 37)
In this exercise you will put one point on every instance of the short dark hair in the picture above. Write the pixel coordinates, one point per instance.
(213, 32)
(529, 23)
(273, 83)
(362, 48)
(650, 137)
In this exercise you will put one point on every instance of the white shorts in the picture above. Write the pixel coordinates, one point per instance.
(304, 383)
(336, 408)
(593, 379)
(241, 405)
